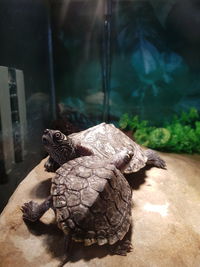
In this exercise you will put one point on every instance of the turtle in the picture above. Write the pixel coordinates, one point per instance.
(103, 140)
(92, 201)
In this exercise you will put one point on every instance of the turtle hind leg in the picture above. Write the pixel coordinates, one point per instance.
(154, 159)
(122, 247)
(68, 245)
(33, 211)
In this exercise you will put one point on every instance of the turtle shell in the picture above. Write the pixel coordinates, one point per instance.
(92, 200)
(105, 140)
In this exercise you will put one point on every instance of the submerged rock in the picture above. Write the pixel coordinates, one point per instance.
(166, 215)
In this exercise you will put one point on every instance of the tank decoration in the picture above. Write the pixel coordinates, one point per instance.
(181, 134)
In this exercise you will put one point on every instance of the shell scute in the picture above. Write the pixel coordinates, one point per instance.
(89, 162)
(63, 226)
(97, 183)
(113, 183)
(76, 183)
(113, 215)
(108, 193)
(103, 173)
(101, 240)
(72, 198)
(56, 179)
(82, 216)
(110, 167)
(64, 170)
(80, 169)
(73, 162)
(86, 173)
(120, 203)
(59, 201)
(101, 223)
(112, 238)
(62, 214)
(100, 206)
(126, 195)
(57, 189)
(124, 228)
(90, 238)
(88, 196)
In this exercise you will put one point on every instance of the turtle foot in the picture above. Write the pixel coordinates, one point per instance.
(123, 248)
(154, 159)
(30, 211)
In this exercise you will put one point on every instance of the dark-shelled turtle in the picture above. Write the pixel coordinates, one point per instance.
(103, 140)
(92, 201)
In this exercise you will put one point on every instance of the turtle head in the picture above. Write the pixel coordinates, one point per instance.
(58, 145)
(122, 159)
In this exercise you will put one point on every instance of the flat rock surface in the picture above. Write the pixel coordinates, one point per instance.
(165, 232)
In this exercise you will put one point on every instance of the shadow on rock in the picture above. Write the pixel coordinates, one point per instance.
(54, 240)
(136, 179)
(87, 253)
(52, 236)
(42, 189)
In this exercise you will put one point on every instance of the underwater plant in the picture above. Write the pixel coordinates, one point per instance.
(181, 134)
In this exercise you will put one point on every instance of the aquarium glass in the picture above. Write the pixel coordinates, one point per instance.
(25, 89)
(152, 53)
(77, 44)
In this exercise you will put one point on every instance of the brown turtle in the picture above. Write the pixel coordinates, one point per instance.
(103, 140)
(92, 201)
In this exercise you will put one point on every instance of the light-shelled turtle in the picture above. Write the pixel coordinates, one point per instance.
(103, 140)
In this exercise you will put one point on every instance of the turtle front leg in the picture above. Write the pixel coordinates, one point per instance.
(33, 211)
(154, 159)
(51, 165)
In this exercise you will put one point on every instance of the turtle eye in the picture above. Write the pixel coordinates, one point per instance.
(57, 135)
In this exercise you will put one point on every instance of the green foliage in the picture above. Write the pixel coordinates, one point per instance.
(189, 117)
(131, 123)
(181, 135)
(159, 137)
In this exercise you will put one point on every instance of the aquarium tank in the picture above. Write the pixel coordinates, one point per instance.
(71, 64)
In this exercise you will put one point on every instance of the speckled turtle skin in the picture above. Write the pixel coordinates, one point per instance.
(103, 140)
(92, 199)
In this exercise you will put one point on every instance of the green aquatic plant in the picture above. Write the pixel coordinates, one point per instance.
(131, 122)
(185, 118)
(181, 134)
(159, 137)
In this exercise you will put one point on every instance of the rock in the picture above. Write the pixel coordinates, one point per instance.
(166, 228)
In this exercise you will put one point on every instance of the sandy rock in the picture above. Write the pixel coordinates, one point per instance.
(166, 228)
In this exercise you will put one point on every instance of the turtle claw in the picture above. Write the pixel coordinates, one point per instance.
(30, 211)
(161, 164)
(122, 248)
(154, 159)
